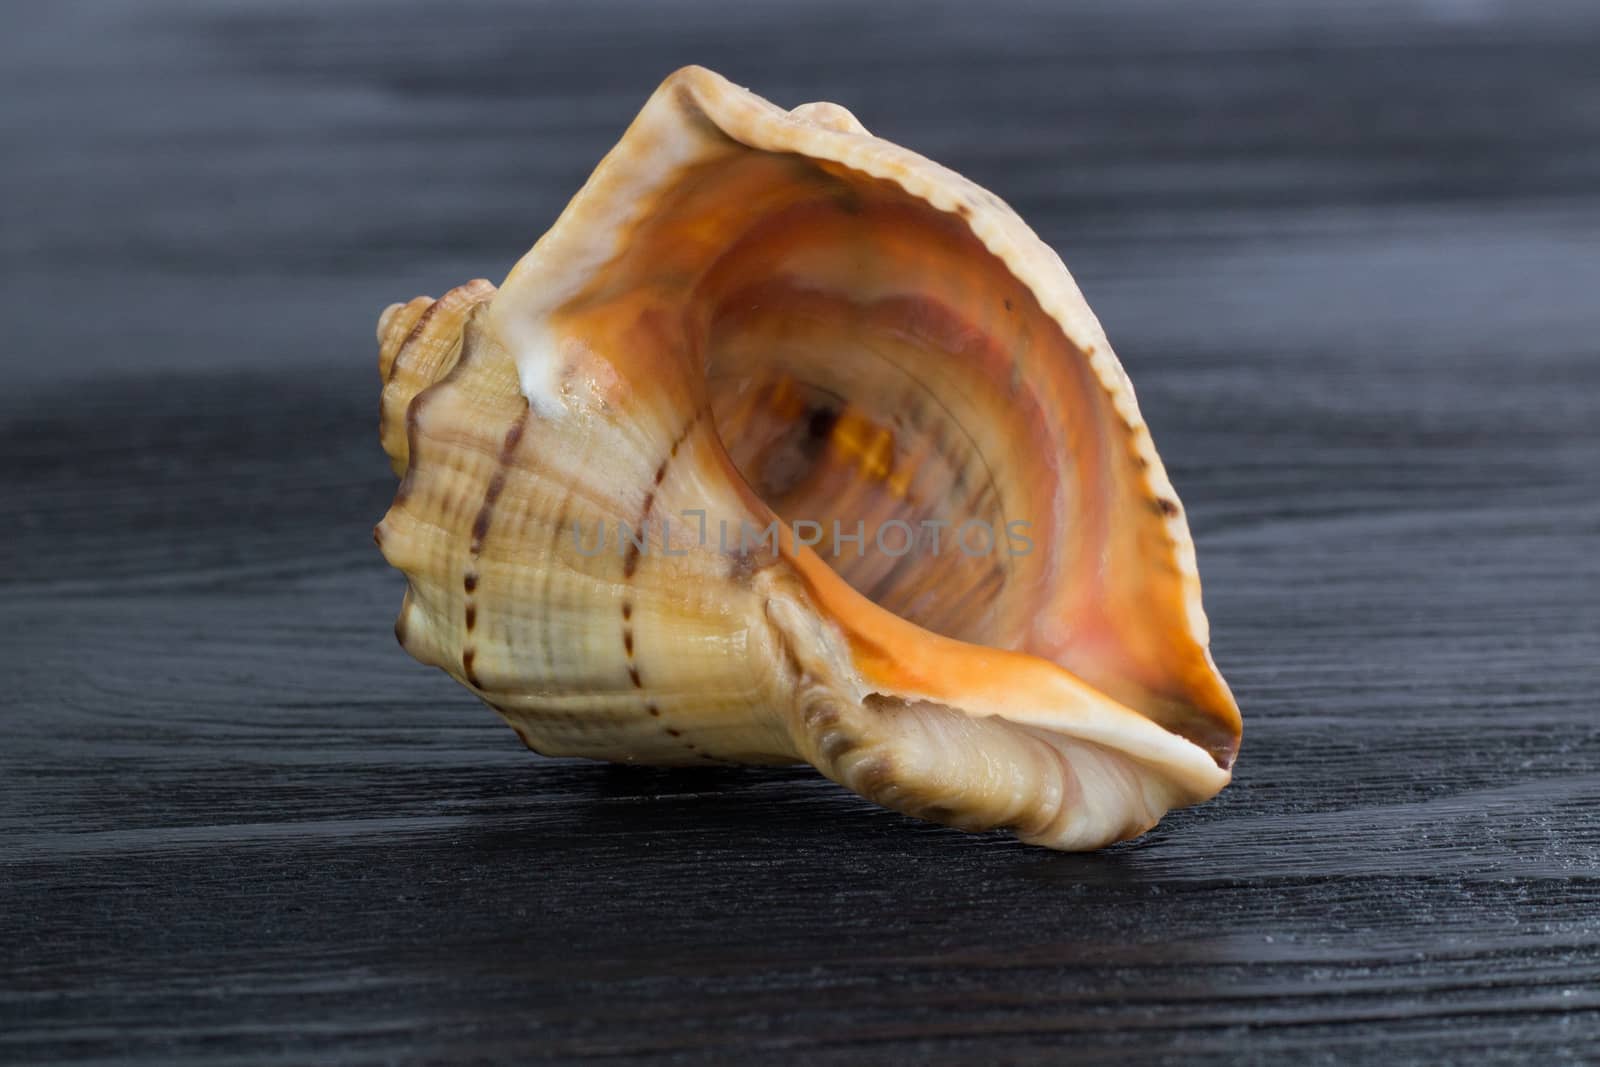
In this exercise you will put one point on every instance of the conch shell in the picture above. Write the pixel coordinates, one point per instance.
(751, 317)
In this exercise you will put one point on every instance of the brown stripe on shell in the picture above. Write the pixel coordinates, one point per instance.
(418, 328)
(413, 433)
(480, 531)
(416, 331)
(630, 565)
(431, 323)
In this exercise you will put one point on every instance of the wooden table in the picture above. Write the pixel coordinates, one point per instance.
(1351, 257)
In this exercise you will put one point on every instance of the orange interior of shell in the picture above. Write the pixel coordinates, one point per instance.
(868, 361)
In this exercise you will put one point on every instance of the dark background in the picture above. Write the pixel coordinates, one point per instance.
(1350, 254)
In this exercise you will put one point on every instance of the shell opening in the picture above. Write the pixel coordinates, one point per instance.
(868, 361)
(858, 396)
(873, 371)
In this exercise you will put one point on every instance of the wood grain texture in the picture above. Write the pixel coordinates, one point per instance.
(1349, 255)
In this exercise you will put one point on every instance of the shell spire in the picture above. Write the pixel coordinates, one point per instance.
(785, 443)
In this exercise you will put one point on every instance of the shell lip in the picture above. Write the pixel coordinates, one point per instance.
(893, 657)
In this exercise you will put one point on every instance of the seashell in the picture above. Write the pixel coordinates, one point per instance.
(748, 326)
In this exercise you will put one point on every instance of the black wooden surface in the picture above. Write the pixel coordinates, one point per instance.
(1351, 256)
